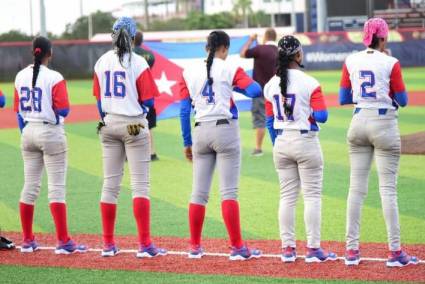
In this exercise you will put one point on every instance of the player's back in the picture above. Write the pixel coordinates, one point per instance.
(118, 83)
(38, 104)
(301, 87)
(370, 73)
(211, 102)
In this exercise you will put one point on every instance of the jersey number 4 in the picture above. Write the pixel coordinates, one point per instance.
(290, 100)
(30, 99)
(367, 89)
(118, 83)
(208, 93)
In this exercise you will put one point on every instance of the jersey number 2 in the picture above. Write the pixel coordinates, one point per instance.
(30, 99)
(368, 78)
(119, 85)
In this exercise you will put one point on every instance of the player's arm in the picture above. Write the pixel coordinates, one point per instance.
(185, 110)
(96, 94)
(244, 84)
(2, 99)
(397, 87)
(345, 92)
(246, 51)
(60, 101)
(21, 122)
(146, 88)
(318, 104)
(270, 120)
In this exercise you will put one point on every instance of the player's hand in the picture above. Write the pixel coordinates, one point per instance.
(188, 153)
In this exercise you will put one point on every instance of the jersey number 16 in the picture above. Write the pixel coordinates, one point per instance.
(118, 83)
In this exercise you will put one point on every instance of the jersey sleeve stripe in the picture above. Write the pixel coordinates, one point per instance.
(345, 78)
(96, 87)
(184, 91)
(16, 101)
(60, 96)
(317, 100)
(146, 87)
(396, 79)
(245, 85)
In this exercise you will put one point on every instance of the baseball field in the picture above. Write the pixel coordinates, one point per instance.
(171, 181)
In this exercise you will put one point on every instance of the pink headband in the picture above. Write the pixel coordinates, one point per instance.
(374, 26)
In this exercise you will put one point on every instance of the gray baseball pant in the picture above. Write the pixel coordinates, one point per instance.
(298, 161)
(117, 146)
(216, 144)
(370, 135)
(44, 145)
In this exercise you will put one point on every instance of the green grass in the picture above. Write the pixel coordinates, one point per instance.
(80, 91)
(171, 183)
(18, 274)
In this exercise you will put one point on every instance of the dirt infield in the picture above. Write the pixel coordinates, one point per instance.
(413, 143)
(177, 262)
(86, 113)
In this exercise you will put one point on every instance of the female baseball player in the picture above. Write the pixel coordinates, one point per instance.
(124, 89)
(298, 105)
(372, 80)
(216, 140)
(41, 103)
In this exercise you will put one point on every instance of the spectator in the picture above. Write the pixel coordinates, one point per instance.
(151, 116)
(265, 59)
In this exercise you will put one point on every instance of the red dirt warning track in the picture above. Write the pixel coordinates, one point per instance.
(267, 267)
(86, 113)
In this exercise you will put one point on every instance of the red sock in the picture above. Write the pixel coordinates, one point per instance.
(109, 213)
(230, 212)
(141, 210)
(27, 216)
(196, 221)
(58, 211)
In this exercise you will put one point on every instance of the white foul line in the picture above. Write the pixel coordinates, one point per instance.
(220, 254)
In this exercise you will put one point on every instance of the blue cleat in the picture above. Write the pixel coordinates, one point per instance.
(70, 247)
(400, 259)
(29, 246)
(196, 252)
(150, 251)
(318, 255)
(110, 250)
(244, 253)
(289, 254)
(352, 257)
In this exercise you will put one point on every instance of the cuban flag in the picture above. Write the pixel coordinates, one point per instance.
(170, 61)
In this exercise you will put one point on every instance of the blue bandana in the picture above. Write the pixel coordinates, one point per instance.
(126, 23)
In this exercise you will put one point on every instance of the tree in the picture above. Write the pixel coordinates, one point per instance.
(102, 23)
(14, 35)
(243, 8)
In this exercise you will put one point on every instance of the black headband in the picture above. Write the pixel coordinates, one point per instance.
(289, 45)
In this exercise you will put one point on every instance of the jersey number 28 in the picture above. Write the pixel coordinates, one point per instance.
(119, 85)
(30, 99)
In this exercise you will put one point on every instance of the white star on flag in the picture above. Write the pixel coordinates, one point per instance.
(164, 85)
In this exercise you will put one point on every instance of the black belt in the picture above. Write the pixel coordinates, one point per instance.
(280, 131)
(218, 122)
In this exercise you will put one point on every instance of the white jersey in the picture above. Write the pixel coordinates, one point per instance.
(41, 103)
(370, 75)
(216, 101)
(300, 91)
(122, 88)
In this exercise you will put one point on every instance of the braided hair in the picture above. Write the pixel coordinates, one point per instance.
(41, 47)
(288, 47)
(215, 40)
(122, 42)
(124, 31)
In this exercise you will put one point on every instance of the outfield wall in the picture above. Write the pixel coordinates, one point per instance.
(325, 51)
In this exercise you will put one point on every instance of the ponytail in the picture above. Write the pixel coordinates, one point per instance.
(215, 40)
(282, 72)
(41, 47)
(122, 42)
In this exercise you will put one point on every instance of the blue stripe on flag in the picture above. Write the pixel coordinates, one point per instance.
(186, 50)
